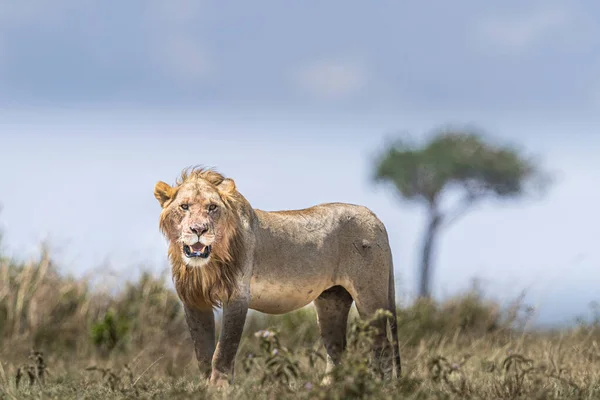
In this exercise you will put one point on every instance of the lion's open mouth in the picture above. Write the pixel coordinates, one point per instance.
(196, 250)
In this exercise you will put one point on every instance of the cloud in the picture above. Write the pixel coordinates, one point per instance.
(593, 94)
(521, 31)
(16, 13)
(178, 49)
(184, 57)
(174, 13)
(19, 11)
(20, 15)
(330, 79)
(2, 55)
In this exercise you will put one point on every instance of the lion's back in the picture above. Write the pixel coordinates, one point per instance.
(325, 223)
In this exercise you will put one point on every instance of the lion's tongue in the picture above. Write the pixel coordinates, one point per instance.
(198, 248)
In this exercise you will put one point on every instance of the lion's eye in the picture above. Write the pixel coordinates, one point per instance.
(184, 206)
(212, 207)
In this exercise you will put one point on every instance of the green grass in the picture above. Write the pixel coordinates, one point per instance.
(132, 342)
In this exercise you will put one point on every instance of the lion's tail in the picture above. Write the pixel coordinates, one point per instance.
(394, 321)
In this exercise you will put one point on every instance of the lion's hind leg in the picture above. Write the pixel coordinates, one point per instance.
(370, 299)
(333, 306)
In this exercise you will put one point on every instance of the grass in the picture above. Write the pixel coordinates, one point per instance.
(62, 339)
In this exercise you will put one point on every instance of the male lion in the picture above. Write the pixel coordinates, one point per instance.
(225, 253)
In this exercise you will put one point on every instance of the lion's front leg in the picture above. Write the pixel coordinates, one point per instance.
(234, 317)
(202, 330)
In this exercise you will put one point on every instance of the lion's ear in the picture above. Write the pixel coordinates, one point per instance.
(227, 186)
(163, 192)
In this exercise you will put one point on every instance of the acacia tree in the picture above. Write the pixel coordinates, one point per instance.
(461, 162)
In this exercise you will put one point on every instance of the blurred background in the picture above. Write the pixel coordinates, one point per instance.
(298, 103)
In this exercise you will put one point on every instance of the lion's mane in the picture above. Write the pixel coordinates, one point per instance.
(208, 287)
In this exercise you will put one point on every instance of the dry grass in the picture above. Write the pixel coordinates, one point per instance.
(59, 338)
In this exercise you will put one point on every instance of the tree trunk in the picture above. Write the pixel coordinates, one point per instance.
(433, 226)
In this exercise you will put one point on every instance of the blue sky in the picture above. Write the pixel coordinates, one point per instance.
(293, 100)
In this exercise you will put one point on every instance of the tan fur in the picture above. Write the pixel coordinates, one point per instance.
(207, 287)
(274, 262)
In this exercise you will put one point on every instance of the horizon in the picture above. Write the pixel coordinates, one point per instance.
(132, 157)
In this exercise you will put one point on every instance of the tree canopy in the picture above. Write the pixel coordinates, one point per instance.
(455, 160)
(462, 161)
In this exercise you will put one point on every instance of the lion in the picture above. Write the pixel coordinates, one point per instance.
(225, 253)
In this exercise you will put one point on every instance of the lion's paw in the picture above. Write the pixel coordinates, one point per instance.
(219, 379)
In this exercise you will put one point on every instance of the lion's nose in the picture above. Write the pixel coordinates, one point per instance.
(199, 229)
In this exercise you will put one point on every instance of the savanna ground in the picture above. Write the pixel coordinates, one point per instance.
(64, 338)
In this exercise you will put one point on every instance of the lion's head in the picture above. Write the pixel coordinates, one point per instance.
(200, 219)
